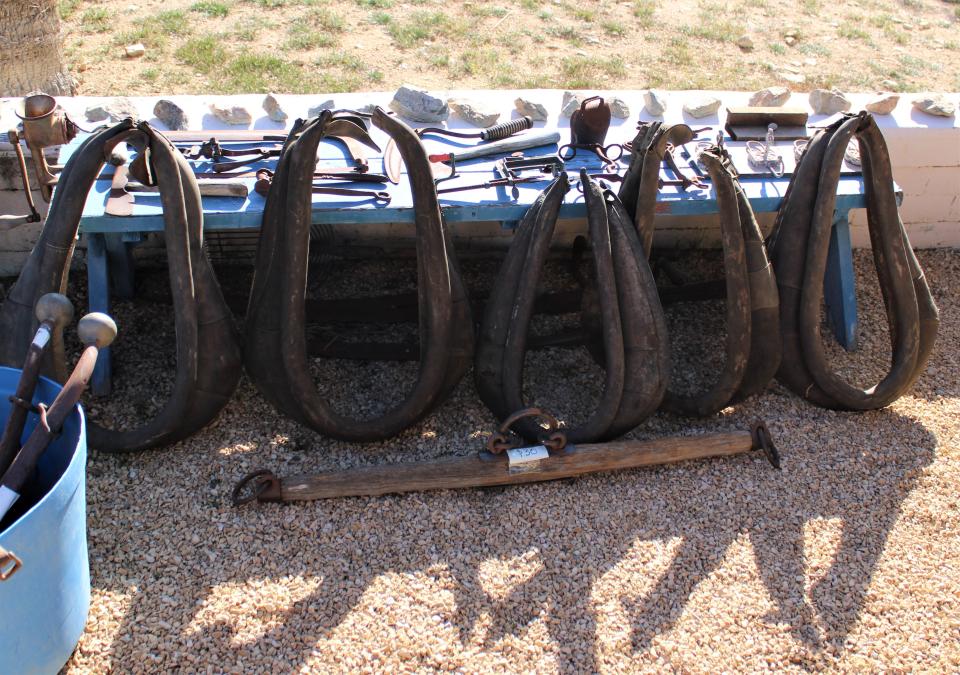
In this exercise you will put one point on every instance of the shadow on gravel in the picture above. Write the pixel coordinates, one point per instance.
(580, 530)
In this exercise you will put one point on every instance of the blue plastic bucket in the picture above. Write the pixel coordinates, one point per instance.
(44, 604)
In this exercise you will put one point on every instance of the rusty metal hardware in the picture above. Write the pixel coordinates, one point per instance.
(512, 166)
(762, 440)
(496, 182)
(348, 176)
(504, 439)
(496, 132)
(568, 151)
(264, 179)
(9, 564)
(590, 122)
(264, 482)
(45, 124)
(34, 215)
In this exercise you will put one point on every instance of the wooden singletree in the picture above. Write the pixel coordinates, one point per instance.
(31, 49)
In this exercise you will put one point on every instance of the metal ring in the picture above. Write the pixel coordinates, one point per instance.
(762, 440)
(266, 479)
(505, 439)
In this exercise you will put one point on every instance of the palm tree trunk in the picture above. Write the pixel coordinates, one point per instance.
(31, 49)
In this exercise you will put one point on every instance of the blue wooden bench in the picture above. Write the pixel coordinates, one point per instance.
(109, 238)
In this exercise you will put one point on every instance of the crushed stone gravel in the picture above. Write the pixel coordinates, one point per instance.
(846, 560)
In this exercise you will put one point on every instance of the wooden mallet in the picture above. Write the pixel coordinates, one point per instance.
(53, 311)
(96, 331)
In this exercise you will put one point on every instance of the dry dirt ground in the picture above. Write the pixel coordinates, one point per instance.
(318, 46)
(846, 560)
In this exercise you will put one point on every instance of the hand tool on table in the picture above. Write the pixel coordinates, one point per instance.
(96, 331)
(751, 124)
(507, 466)
(512, 166)
(496, 182)
(521, 142)
(120, 199)
(264, 178)
(11, 221)
(53, 311)
(393, 164)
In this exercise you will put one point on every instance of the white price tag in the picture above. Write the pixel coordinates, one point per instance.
(523, 458)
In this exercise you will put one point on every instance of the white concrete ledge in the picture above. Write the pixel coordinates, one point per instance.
(925, 150)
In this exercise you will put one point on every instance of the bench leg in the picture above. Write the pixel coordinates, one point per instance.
(121, 264)
(839, 290)
(98, 298)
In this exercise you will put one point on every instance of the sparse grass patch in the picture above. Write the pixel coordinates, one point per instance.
(712, 29)
(379, 4)
(566, 33)
(585, 14)
(811, 7)
(483, 11)
(897, 35)
(483, 62)
(303, 37)
(777, 48)
(380, 18)
(614, 28)
(813, 49)
(586, 72)
(264, 72)
(327, 20)
(529, 5)
(340, 60)
(643, 11)
(852, 31)
(677, 52)
(95, 20)
(150, 39)
(150, 74)
(170, 22)
(425, 26)
(210, 8)
(203, 54)
(66, 8)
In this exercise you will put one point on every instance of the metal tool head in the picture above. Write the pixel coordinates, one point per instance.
(55, 309)
(344, 128)
(97, 328)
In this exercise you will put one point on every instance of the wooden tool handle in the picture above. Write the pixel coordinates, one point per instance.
(486, 469)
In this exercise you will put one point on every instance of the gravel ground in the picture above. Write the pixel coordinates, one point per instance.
(847, 559)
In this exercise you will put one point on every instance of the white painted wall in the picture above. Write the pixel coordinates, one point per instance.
(925, 151)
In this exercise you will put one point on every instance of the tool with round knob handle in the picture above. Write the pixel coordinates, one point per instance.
(53, 311)
(96, 331)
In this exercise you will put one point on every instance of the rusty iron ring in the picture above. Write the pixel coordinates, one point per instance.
(504, 439)
(264, 479)
(762, 440)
